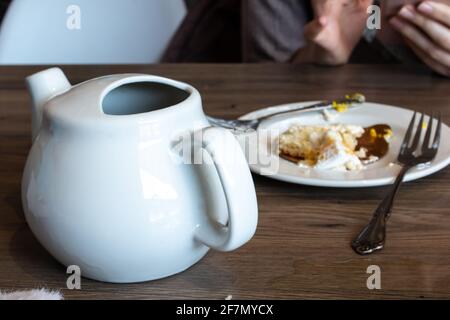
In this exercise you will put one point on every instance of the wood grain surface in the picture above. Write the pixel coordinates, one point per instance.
(301, 248)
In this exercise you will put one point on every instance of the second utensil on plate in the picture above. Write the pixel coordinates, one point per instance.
(245, 125)
(372, 237)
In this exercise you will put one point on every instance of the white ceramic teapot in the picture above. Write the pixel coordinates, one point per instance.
(106, 188)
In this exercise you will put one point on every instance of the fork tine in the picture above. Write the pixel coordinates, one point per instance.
(417, 135)
(437, 135)
(427, 140)
(407, 137)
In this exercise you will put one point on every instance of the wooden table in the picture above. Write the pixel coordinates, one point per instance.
(301, 248)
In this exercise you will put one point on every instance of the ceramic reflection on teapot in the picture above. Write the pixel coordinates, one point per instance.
(104, 188)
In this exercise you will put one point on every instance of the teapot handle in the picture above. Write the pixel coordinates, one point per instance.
(238, 187)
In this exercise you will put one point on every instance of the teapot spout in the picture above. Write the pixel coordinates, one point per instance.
(42, 87)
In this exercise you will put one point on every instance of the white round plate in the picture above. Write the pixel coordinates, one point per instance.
(262, 154)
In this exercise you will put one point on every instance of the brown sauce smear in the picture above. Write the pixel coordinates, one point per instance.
(375, 146)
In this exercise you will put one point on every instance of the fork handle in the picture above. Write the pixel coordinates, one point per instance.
(372, 237)
(314, 107)
(386, 205)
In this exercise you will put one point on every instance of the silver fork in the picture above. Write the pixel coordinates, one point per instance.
(245, 125)
(372, 237)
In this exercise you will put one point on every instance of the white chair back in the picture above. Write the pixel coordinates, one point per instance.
(88, 31)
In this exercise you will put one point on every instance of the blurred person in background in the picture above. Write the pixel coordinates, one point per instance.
(327, 32)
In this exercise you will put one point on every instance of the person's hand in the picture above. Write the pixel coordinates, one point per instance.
(333, 34)
(426, 29)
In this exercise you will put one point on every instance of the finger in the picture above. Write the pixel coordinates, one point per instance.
(435, 30)
(315, 27)
(415, 36)
(436, 10)
(434, 65)
(363, 4)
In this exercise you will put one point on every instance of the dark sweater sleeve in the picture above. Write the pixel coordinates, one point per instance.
(273, 30)
(209, 33)
(3, 6)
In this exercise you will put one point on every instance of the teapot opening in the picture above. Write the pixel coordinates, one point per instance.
(141, 97)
